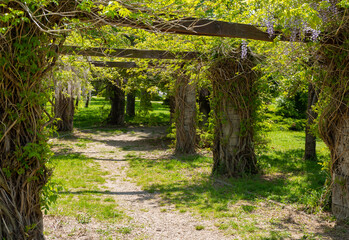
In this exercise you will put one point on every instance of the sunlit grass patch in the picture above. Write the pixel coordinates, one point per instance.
(77, 171)
(285, 177)
(97, 112)
(81, 197)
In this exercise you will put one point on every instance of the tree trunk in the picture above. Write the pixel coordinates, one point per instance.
(234, 105)
(117, 99)
(88, 98)
(78, 94)
(204, 104)
(185, 115)
(130, 106)
(310, 138)
(64, 107)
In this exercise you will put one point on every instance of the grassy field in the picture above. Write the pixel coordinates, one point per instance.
(98, 110)
(79, 179)
(237, 205)
(285, 178)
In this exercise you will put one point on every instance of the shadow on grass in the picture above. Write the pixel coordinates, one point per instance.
(287, 179)
(102, 192)
(138, 139)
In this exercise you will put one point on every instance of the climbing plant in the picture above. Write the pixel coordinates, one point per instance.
(26, 55)
(235, 102)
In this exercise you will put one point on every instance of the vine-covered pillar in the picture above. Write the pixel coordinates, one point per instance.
(117, 99)
(234, 103)
(64, 106)
(334, 118)
(185, 111)
(26, 54)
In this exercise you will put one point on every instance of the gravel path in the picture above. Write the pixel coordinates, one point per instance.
(149, 218)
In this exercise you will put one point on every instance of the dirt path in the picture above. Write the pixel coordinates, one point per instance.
(149, 219)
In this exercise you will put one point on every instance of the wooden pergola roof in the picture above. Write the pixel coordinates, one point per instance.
(128, 53)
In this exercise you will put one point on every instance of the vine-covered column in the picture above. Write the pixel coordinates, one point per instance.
(185, 111)
(234, 103)
(117, 100)
(26, 54)
(64, 106)
(334, 116)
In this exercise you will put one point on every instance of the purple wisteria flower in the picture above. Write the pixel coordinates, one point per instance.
(269, 23)
(315, 34)
(243, 49)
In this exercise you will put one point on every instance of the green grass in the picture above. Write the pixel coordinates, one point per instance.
(159, 115)
(125, 230)
(92, 116)
(286, 178)
(98, 110)
(199, 227)
(80, 179)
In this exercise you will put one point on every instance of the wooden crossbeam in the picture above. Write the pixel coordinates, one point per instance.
(203, 27)
(114, 64)
(206, 27)
(128, 53)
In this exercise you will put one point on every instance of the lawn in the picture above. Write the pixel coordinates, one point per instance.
(284, 178)
(97, 112)
(251, 207)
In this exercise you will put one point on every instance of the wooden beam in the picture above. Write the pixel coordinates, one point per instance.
(206, 27)
(128, 53)
(202, 27)
(114, 64)
(191, 26)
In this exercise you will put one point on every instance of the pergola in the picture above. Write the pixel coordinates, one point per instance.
(20, 191)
